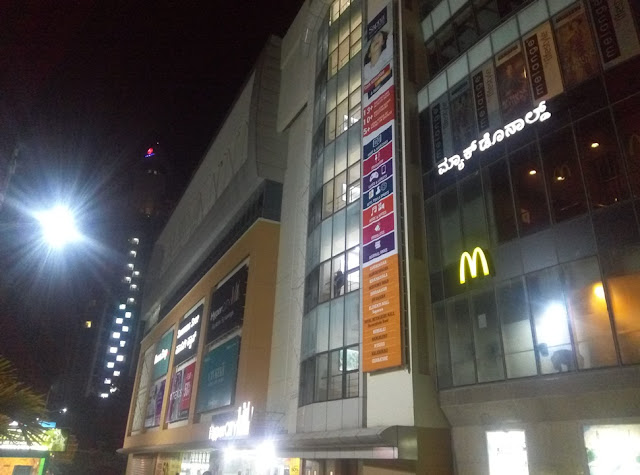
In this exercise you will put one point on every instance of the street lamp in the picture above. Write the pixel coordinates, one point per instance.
(58, 226)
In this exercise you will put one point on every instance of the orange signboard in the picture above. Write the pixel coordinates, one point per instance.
(381, 328)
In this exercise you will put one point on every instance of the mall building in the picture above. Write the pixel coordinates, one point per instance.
(412, 247)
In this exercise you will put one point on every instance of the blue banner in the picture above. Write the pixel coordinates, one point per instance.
(217, 385)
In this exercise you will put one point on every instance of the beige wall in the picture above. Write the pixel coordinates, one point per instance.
(260, 245)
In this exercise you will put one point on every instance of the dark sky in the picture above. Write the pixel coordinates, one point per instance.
(86, 86)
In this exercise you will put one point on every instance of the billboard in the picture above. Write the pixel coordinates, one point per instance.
(161, 356)
(180, 395)
(217, 384)
(381, 322)
(227, 304)
(154, 404)
(544, 69)
(513, 86)
(188, 336)
(615, 31)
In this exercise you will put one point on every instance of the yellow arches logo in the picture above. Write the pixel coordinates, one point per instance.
(472, 260)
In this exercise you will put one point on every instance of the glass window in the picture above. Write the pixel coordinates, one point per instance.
(352, 318)
(353, 281)
(443, 357)
(627, 117)
(336, 327)
(321, 377)
(553, 343)
(335, 375)
(327, 200)
(563, 175)
(311, 290)
(334, 32)
(353, 225)
(343, 85)
(326, 239)
(461, 340)
(333, 63)
(331, 95)
(354, 174)
(356, 14)
(507, 452)
(588, 313)
(326, 282)
(355, 146)
(338, 232)
(313, 249)
(516, 329)
(355, 74)
(487, 337)
(340, 191)
(338, 276)
(601, 161)
(308, 334)
(612, 448)
(499, 200)
(624, 291)
(322, 327)
(356, 43)
(341, 154)
(307, 372)
(330, 126)
(353, 365)
(342, 114)
(528, 188)
(343, 53)
(474, 223)
(329, 160)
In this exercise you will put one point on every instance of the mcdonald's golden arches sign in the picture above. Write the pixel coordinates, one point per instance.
(470, 261)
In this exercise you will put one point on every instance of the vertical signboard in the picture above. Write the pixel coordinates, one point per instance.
(154, 404)
(381, 325)
(544, 70)
(513, 86)
(615, 31)
(188, 336)
(161, 356)
(578, 56)
(217, 384)
(485, 97)
(180, 395)
(227, 305)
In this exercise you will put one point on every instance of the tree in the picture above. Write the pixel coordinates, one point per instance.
(19, 403)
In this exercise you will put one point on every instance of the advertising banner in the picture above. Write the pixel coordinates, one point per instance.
(217, 385)
(544, 70)
(161, 356)
(441, 128)
(382, 342)
(460, 101)
(227, 305)
(154, 404)
(485, 98)
(188, 336)
(577, 50)
(513, 86)
(180, 396)
(615, 31)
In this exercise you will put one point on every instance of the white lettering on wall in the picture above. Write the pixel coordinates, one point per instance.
(235, 428)
(161, 356)
(539, 114)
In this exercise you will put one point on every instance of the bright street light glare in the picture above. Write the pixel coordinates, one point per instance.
(58, 226)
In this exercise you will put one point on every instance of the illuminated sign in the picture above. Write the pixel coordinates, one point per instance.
(539, 114)
(188, 336)
(161, 356)
(238, 427)
(472, 261)
(52, 440)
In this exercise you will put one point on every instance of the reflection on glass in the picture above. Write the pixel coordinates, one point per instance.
(589, 316)
(487, 337)
(625, 302)
(528, 189)
(461, 339)
(443, 357)
(553, 343)
(499, 198)
(516, 330)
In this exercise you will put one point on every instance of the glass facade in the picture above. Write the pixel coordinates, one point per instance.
(554, 208)
(331, 324)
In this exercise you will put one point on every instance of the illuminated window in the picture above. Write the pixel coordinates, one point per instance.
(125, 328)
(107, 380)
(136, 273)
(133, 287)
(127, 314)
(116, 373)
(119, 321)
(104, 395)
(122, 306)
(507, 453)
(113, 390)
(135, 241)
(127, 279)
(122, 343)
(113, 349)
(132, 253)
(115, 335)
(120, 358)
(87, 324)
(131, 300)
(130, 266)
(110, 364)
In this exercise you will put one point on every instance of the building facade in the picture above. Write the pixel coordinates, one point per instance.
(411, 248)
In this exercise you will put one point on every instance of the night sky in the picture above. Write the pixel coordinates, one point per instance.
(86, 86)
